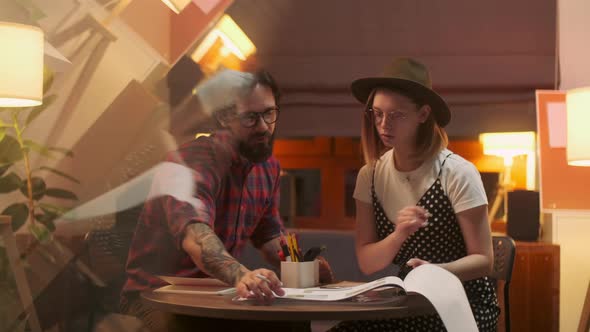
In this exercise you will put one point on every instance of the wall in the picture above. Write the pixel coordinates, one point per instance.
(486, 58)
(170, 34)
(93, 84)
(190, 25)
(566, 210)
(151, 19)
(562, 186)
(570, 229)
(573, 51)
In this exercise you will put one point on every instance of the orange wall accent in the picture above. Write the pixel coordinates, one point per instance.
(561, 186)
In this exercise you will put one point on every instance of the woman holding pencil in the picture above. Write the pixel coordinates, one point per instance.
(417, 202)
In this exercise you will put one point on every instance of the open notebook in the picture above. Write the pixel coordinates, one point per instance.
(180, 285)
(442, 288)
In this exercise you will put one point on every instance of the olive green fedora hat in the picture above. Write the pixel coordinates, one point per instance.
(409, 76)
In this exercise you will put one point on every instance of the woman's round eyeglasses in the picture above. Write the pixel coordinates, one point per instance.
(379, 115)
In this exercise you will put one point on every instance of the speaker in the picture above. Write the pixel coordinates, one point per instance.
(523, 215)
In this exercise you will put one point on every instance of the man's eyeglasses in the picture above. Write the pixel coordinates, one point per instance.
(250, 119)
(380, 115)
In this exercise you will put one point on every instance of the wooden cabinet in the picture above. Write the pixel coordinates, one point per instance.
(534, 292)
(333, 159)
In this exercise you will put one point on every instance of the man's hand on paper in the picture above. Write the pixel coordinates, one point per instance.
(259, 284)
(415, 262)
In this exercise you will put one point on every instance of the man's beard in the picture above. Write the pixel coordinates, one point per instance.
(257, 152)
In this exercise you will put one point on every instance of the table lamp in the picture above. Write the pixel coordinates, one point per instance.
(508, 145)
(578, 134)
(21, 65)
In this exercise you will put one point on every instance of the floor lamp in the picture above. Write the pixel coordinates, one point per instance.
(578, 135)
(578, 154)
(507, 145)
(21, 85)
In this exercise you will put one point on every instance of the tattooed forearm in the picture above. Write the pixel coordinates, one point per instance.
(214, 259)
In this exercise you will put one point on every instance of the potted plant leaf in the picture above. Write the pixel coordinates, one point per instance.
(23, 189)
(17, 173)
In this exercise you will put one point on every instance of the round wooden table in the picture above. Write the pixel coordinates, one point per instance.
(218, 306)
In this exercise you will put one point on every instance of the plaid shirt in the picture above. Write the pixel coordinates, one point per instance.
(240, 202)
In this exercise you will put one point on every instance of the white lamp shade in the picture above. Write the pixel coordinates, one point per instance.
(578, 134)
(177, 6)
(21, 65)
(509, 144)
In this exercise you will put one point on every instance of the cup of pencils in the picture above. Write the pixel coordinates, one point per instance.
(300, 274)
(298, 270)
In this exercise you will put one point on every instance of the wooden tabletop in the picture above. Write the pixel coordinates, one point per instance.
(218, 306)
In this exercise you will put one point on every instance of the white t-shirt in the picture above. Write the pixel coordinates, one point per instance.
(395, 190)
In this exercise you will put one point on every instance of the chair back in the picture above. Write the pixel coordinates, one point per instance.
(504, 254)
(107, 255)
(107, 251)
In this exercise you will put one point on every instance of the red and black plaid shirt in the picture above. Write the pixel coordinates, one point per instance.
(240, 202)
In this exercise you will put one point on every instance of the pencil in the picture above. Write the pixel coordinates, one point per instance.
(261, 277)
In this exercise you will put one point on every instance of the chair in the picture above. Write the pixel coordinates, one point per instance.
(504, 253)
(107, 255)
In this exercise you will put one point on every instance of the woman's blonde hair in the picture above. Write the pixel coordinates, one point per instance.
(430, 138)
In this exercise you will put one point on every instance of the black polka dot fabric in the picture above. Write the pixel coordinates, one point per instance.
(439, 242)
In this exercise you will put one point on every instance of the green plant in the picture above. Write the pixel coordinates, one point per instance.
(17, 174)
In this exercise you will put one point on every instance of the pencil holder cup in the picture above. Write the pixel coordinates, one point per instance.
(300, 274)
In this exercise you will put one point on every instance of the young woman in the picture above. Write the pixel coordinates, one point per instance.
(417, 202)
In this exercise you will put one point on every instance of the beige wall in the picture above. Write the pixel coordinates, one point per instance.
(151, 19)
(574, 49)
(127, 58)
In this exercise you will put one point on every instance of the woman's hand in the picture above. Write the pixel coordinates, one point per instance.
(260, 284)
(326, 274)
(410, 219)
(415, 262)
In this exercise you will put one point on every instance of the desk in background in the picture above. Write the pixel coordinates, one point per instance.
(534, 291)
